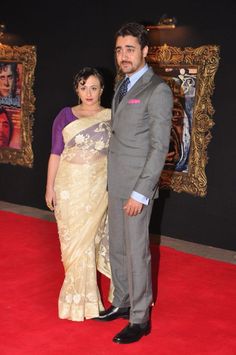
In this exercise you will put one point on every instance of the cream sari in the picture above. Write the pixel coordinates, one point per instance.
(81, 214)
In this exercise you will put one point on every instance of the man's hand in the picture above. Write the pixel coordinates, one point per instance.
(132, 207)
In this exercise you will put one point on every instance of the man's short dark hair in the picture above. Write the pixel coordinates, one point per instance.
(136, 30)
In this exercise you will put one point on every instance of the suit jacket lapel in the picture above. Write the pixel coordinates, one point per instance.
(116, 98)
(138, 86)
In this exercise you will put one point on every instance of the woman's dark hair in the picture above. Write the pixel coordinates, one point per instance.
(3, 111)
(136, 30)
(82, 76)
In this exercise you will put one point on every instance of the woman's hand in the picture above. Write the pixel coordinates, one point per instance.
(50, 195)
(50, 198)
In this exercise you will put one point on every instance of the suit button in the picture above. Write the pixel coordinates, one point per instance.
(113, 132)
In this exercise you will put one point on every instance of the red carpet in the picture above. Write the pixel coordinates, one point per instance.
(195, 312)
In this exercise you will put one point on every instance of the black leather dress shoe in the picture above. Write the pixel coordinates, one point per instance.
(133, 332)
(113, 313)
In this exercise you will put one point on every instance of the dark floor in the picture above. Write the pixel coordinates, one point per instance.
(188, 247)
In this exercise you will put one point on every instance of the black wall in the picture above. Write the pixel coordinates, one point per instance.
(78, 33)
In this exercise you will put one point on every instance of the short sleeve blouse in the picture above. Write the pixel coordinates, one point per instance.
(64, 117)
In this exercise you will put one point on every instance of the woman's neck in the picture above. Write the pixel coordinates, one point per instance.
(86, 111)
(95, 108)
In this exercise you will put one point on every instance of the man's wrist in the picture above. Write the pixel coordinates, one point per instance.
(140, 198)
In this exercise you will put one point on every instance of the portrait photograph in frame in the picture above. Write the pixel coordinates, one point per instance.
(17, 66)
(190, 73)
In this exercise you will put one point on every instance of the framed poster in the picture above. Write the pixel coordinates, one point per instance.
(17, 65)
(190, 74)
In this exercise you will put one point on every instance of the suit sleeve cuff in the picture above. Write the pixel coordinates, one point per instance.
(140, 198)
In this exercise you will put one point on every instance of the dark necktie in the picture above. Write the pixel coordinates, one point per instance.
(123, 89)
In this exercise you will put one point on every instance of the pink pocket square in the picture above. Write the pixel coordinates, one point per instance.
(134, 101)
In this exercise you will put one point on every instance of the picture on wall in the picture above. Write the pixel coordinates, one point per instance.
(17, 65)
(190, 74)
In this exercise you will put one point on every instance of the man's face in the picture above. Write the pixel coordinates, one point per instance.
(129, 55)
(4, 130)
(6, 81)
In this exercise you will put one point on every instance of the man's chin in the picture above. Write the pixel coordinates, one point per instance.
(126, 70)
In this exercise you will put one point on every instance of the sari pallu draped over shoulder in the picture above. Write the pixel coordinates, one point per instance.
(81, 214)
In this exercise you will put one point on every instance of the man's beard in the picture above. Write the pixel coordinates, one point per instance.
(127, 68)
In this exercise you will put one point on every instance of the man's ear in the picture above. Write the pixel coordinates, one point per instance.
(145, 51)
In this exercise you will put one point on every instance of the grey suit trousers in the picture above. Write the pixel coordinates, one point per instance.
(130, 259)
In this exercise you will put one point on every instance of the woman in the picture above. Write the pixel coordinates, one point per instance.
(76, 190)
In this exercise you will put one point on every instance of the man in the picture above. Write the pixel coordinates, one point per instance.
(8, 85)
(5, 128)
(8, 78)
(141, 124)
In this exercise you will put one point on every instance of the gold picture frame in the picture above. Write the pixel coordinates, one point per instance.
(190, 73)
(17, 66)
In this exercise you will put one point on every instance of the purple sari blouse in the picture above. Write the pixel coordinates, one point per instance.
(64, 117)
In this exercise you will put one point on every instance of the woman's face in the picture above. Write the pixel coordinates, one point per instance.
(90, 91)
(4, 130)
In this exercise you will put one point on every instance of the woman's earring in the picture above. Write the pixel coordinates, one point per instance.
(79, 101)
(100, 96)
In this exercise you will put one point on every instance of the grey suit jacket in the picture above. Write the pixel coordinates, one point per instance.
(141, 125)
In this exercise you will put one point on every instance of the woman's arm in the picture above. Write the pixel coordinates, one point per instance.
(50, 197)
